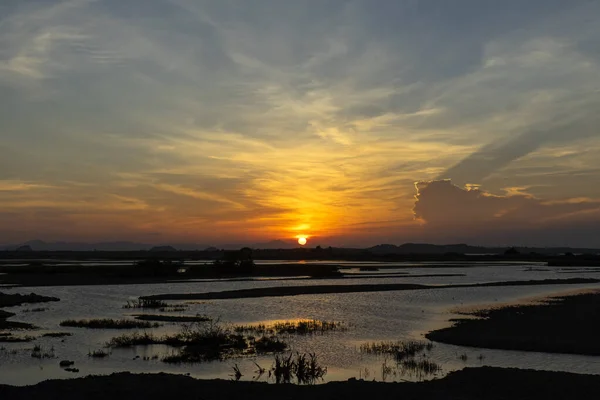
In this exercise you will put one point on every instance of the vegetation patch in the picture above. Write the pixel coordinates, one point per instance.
(269, 344)
(98, 354)
(38, 309)
(146, 303)
(398, 349)
(5, 351)
(203, 342)
(108, 324)
(303, 327)
(174, 308)
(172, 318)
(421, 368)
(57, 334)
(41, 352)
(304, 369)
(405, 356)
(10, 338)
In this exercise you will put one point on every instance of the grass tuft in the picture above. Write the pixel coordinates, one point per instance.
(146, 303)
(98, 354)
(303, 327)
(399, 350)
(306, 369)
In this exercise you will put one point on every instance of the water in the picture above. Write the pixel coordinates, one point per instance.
(374, 316)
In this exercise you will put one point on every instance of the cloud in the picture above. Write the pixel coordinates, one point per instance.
(205, 119)
(472, 213)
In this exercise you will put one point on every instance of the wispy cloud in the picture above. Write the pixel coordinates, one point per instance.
(204, 119)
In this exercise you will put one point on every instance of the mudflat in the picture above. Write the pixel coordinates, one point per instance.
(566, 324)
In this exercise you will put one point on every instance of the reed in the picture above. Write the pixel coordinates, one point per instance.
(302, 327)
(146, 303)
(399, 350)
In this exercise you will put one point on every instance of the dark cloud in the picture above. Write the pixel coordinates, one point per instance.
(473, 215)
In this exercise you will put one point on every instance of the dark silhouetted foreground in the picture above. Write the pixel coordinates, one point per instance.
(471, 383)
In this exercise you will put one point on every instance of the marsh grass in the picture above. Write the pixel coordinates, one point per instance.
(39, 309)
(405, 356)
(98, 354)
(304, 368)
(399, 350)
(269, 344)
(5, 351)
(146, 303)
(10, 338)
(108, 324)
(175, 308)
(202, 342)
(237, 374)
(41, 353)
(134, 339)
(57, 334)
(421, 368)
(172, 318)
(302, 327)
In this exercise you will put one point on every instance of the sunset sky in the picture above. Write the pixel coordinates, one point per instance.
(244, 121)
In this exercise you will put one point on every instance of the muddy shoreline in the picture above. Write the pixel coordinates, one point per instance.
(11, 300)
(564, 324)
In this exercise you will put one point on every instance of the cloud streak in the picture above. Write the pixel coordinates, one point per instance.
(208, 120)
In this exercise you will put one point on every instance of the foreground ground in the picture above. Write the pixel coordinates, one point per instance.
(471, 383)
(566, 324)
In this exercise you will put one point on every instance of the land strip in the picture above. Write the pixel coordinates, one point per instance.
(328, 289)
(470, 383)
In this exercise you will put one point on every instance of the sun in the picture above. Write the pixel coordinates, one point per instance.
(302, 240)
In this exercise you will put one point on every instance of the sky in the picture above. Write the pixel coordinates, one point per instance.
(351, 122)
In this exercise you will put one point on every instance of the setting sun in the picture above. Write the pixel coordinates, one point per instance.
(302, 241)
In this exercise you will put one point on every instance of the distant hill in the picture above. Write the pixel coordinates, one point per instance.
(162, 249)
(379, 250)
(425, 248)
(40, 245)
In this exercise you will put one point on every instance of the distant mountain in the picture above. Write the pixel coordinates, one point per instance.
(162, 249)
(381, 249)
(40, 245)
